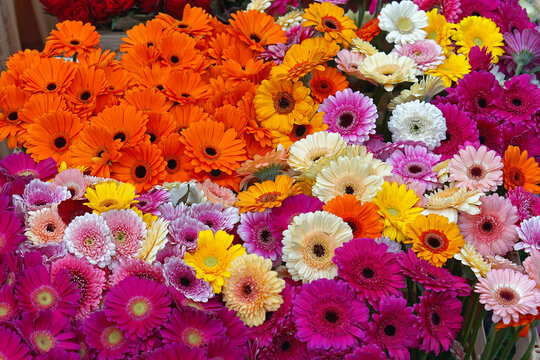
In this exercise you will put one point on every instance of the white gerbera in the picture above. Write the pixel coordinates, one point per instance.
(470, 257)
(309, 244)
(259, 5)
(314, 147)
(403, 21)
(418, 121)
(448, 201)
(388, 69)
(347, 175)
(290, 19)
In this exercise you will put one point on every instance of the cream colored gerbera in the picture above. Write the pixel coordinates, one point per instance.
(290, 19)
(470, 257)
(424, 90)
(304, 153)
(259, 5)
(441, 169)
(448, 201)
(361, 46)
(309, 244)
(253, 289)
(388, 69)
(347, 175)
(155, 240)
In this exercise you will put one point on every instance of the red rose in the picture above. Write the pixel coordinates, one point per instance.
(55, 7)
(204, 4)
(149, 6)
(79, 10)
(175, 8)
(118, 7)
(99, 11)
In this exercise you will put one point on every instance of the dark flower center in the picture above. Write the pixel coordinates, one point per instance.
(210, 151)
(60, 142)
(330, 23)
(352, 225)
(284, 103)
(415, 169)
(74, 42)
(50, 227)
(516, 102)
(152, 137)
(189, 239)
(435, 318)
(482, 103)
(149, 44)
(300, 131)
(51, 87)
(487, 226)
(349, 190)
(318, 250)
(140, 171)
(476, 172)
(174, 59)
(215, 172)
(434, 242)
(506, 295)
(331, 317)
(171, 164)
(182, 26)
(346, 119)
(390, 330)
(266, 235)
(159, 87)
(185, 281)
(286, 345)
(368, 273)
(255, 38)
(120, 136)
(85, 95)
(13, 116)
(247, 289)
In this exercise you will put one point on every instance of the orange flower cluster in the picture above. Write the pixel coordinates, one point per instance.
(179, 104)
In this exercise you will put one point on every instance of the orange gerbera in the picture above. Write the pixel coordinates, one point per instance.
(219, 44)
(186, 114)
(299, 131)
(243, 64)
(520, 170)
(186, 87)
(148, 34)
(12, 100)
(153, 77)
(142, 166)
(49, 75)
(363, 219)
(232, 118)
(71, 37)
(330, 19)
(52, 135)
(268, 194)
(139, 57)
(327, 82)
(159, 126)
(211, 147)
(101, 59)
(148, 100)
(369, 30)
(22, 60)
(178, 51)
(256, 29)
(195, 21)
(119, 80)
(178, 164)
(38, 105)
(95, 149)
(87, 85)
(124, 122)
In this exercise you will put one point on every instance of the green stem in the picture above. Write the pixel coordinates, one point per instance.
(499, 340)
(470, 320)
(410, 299)
(511, 343)
(361, 12)
(489, 344)
(518, 69)
(477, 322)
(422, 355)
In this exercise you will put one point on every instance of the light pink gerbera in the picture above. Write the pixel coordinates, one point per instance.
(529, 233)
(476, 169)
(89, 236)
(73, 180)
(349, 61)
(427, 54)
(128, 231)
(508, 293)
(415, 163)
(493, 230)
(45, 226)
(217, 194)
(532, 267)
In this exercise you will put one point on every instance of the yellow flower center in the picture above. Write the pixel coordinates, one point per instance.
(392, 211)
(108, 202)
(432, 35)
(43, 341)
(4, 310)
(211, 261)
(405, 24)
(45, 298)
(477, 42)
(115, 336)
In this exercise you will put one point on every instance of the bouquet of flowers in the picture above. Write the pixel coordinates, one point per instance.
(294, 184)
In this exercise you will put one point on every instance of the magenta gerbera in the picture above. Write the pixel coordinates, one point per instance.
(493, 230)
(127, 231)
(450, 9)
(170, 212)
(415, 163)
(328, 314)
(476, 92)
(182, 277)
(460, 131)
(38, 194)
(254, 230)
(11, 346)
(367, 352)
(105, 337)
(369, 269)
(37, 292)
(22, 164)
(518, 101)
(8, 304)
(138, 306)
(184, 231)
(284, 344)
(522, 50)
(427, 54)
(476, 169)
(526, 203)
(439, 320)
(192, 328)
(151, 200)
(89, 279)
(138, 268)
(480, 59)
(11, 232)
(282, 216)
(89, 236)
(177, 352)
(351, 114)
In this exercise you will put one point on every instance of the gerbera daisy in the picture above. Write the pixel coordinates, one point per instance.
(508, 293)
(527, 204)
(476, 169)
(148, 33)
(217, 194)
(255, 231)
(12, 101)
(105, 336)
(252, 289)
(89, 279)
(308, 151)
(52, 135)
(369, 269)
(279, 104)
(110, 195)
(434, 238)
(37, 292)
(449, 200)
(453, 68)
(415, 163)
(470, 257)
(529, 233)
(8, 304)
(350, 114)
(388, 70)
(215, 216)
(520, 170)
(213, 256)
(492, 231)
(427, 54)
(309, 244)
(362, 218)
(479, 31)
(12, 346)
(396, 206)
(327, 82)
(281, 217)
(256, 29)
(11, 232)
(192, 328)
(349, 62)
(450, 9)
(21, 164)
(177, 351)
(331, 21)
(476, 92)
(178, 51)
(177, 163)
(88, 236)
(135, 267)
(299, 131)
(88, 84)
(184, 230)
(367, 352)
(124, 122)
(73, 180)
(72, 37)
(521, 50)
(186, 87)
(45, 226)
(268, 194)
(328, 315)
(127, 231)
(393, 327)
(284, 345)
(403, 21)
(151, 200)
(532, 267)
(48, 75)
(516, 102)
(155, 240)
(460, 130)
(47, 332)
(138, 306)
(182, 277)
(439, 320)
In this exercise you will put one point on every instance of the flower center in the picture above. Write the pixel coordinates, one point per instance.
(284, 103)
(331, 23)
(45, 297)
(120, 136)
(415, 169)
(435, 241)
(247, 289)
(390, 330)
(194, 337)
(392, 211)
(268, 197)
(85, 95)
(516, 176)
(482, 103)
(174, 59)
(210, 151)
(141, 172)
(211, 261)
(50, 228)
(74, 42)
(435, 318)
(346, 119)
(108, 202)
(265, 236)
(185, 281)
(352, 224)
(476, 172)
(112, 338)
(5, 309)
(368, 273)
(404, 24)
(171, 164)
(13, 116)
(43, 340)
(507, 296)
(285, 345)
(60, 142)
(416, 127)
(51, 86)
(477, 42)
(139, 307)
(300, 131)
(487, 226)
(331, 316)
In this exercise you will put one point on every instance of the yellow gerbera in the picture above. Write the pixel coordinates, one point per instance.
(453, 68)
(213, 257)
(434, 238)
(279, 104)
(479, 31)
(302, 58)
(396, 206)
(469, 256)
(330, 20)
(253, 289)
(440, 30)
(268, 194)
(110, 195)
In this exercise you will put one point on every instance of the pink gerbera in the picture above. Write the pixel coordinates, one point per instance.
(10, 232)
(73, 180)
(493, 230)
(508, 293)
(254, 230)
(427, 54)
(182, 277)
(526, 203)
(128, 231)
(8, 304)
(37, 292)
(45, 226)
(177, 352)
(12, 347)
(532, 267)
(89, 279)
(150, 201)
(415, 163)
(367, 352)
(191, 327)
(105, 337)
(476, 169)
(217, 194)
(450, 9)
(349, 61)
(138, 268)
(460, 131)
(284, 344)
(529, 233)
(138, 306)
(22, 164)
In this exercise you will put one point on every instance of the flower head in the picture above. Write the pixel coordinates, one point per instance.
(268, 194)
(415, 163)
(529, 233)
(403, 21)
(127, 231)
(110, 341)
(520, 170)
(255, 231)
(427, 54)
(110, 195)
(388, 70)
(330, 20)
(182, 277)
(478, 31)
(11, 232)
(192, 328)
